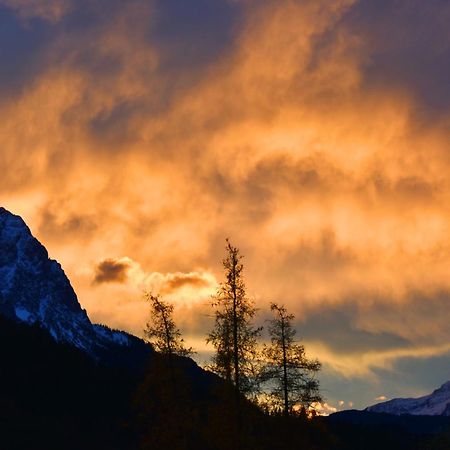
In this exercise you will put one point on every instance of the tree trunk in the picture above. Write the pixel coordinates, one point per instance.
(236, 356)
(285, 377)
(235, 342)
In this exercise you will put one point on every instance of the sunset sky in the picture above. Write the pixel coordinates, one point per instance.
(135, 136)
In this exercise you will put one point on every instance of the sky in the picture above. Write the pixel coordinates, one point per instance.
(136, 136)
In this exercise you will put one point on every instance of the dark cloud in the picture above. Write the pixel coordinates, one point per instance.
(337, 327)
(375, 323)
(409, 46)
(421, 315)
(194, 33)
(61, 227)
(172, 43)
(312, 175)
(22, 47)
(111, 271)
(415, 189)
(179, 280)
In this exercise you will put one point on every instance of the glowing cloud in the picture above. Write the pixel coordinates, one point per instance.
(299, 130)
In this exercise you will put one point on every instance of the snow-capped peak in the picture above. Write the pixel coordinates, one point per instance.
(35, 289)
(435, 404)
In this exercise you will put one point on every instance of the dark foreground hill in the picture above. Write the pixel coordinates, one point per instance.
(54, 396)
(364, 430)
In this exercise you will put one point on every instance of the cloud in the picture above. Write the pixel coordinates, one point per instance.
(297, 128)
(339, 328)
(50, 10)
(372, 365)
(112, 271)
(177, 281)
(57, 222)
(413, 59)
(324, 409)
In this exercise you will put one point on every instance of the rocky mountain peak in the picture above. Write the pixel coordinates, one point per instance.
(35, 289)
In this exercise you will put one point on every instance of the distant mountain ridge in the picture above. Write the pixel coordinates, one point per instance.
(34, 289)
(435, 404)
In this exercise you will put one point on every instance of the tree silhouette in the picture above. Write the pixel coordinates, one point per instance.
(287, 371)
(161, 330)
(234, 336)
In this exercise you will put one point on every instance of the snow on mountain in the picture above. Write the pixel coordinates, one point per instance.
(35, 289)
(434, 404)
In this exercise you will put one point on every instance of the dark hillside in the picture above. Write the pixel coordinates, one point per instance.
(362, 430)
(53, 396)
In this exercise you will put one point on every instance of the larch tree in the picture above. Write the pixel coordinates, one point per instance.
(161, 330)
(164, 403)
(234, 336)
(289, 375)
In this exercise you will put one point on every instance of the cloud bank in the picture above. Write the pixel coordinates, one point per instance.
(313, 133)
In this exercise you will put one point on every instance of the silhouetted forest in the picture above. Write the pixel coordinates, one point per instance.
(53, 396)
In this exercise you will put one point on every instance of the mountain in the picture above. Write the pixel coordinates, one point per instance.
(435, 404)
(35, 290)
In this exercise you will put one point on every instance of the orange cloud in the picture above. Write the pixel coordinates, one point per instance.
(334, 185)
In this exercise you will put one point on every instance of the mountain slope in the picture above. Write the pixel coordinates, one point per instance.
(55, 396)
(435, 404)
(34, 289)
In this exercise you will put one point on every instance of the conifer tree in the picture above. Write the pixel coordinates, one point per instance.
(289, 374)
(234, 336)
(161, 330)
